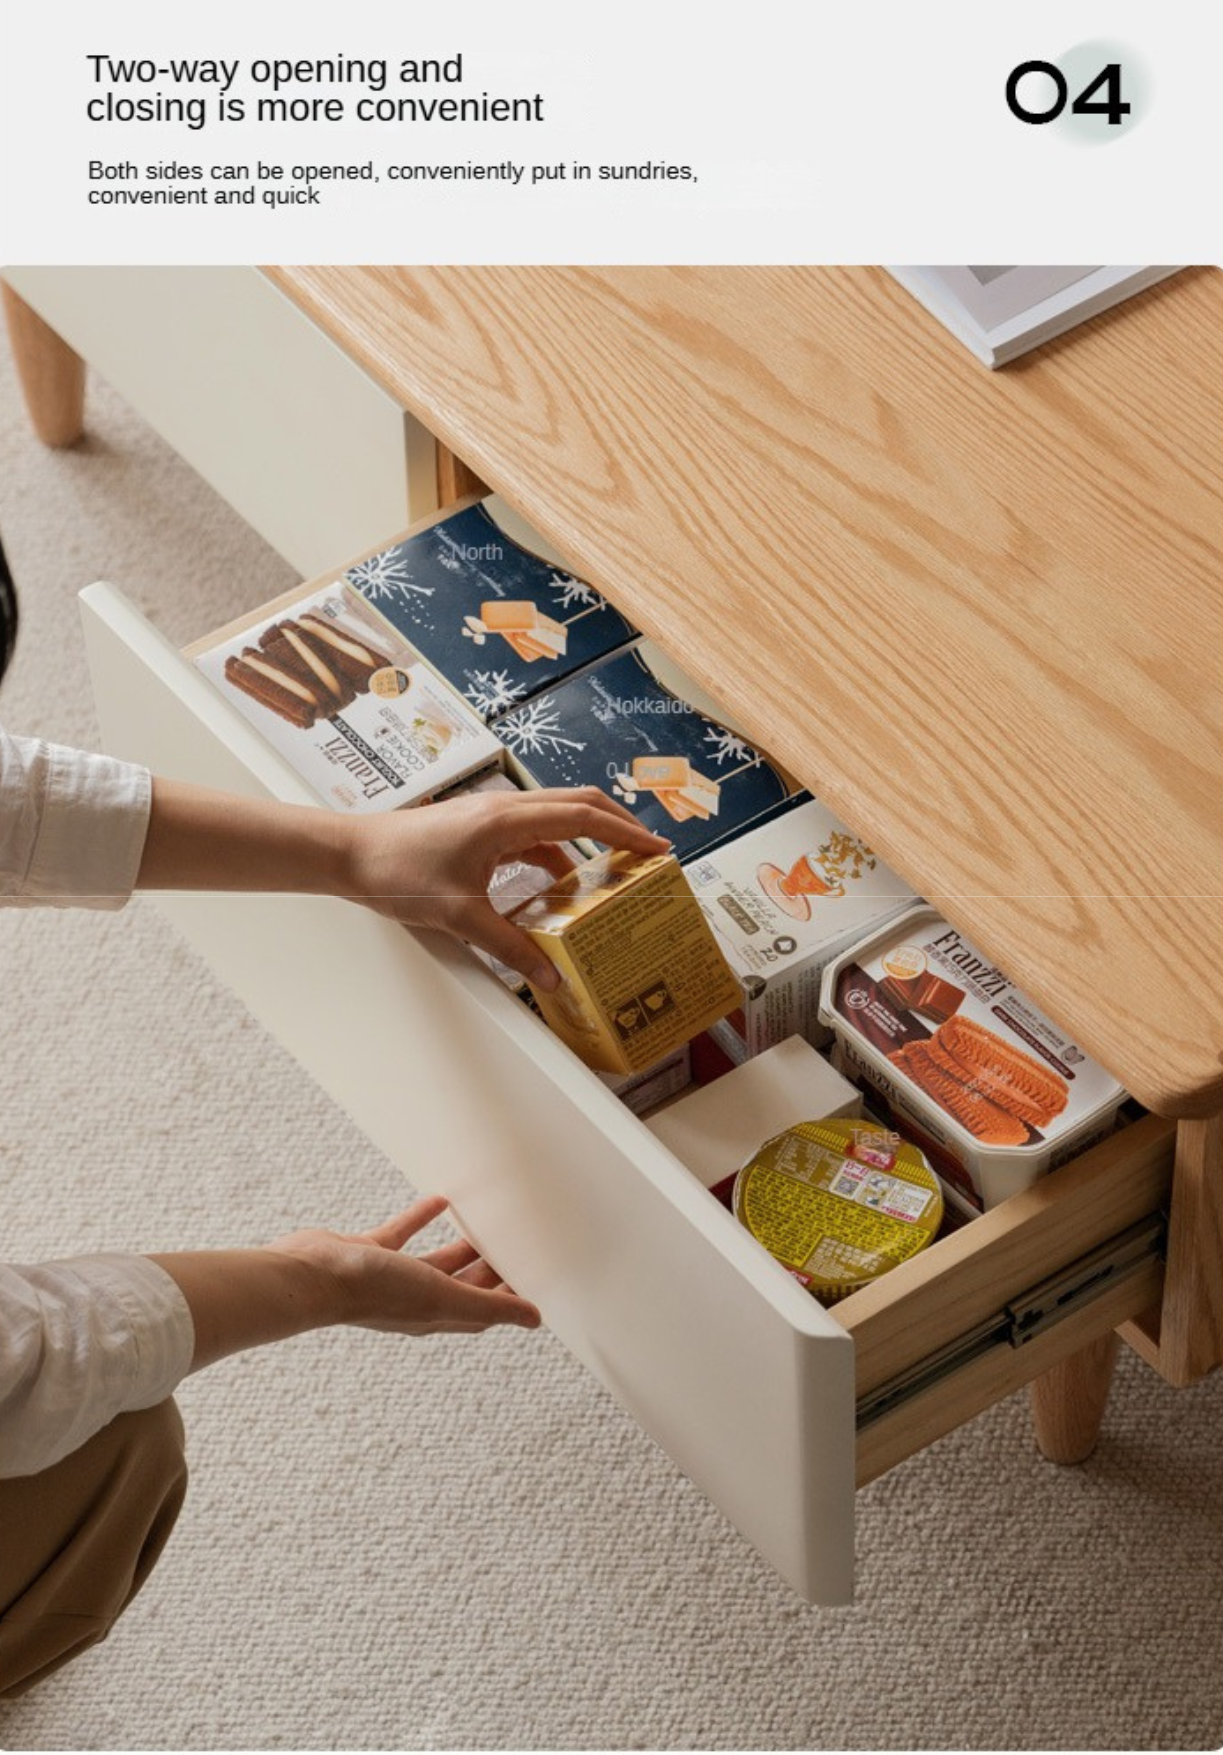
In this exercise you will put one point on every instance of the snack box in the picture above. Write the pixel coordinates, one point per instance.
(500, 623)
(357, 713)
(644, 1091)
(715, 1128)
(641, 973)
(993, 1091)
(784, 899)
(616, 726)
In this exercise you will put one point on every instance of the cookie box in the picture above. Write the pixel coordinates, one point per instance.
(334, 690)
(618, 727)
(783, 900)
(992, 1090)
(500, 623)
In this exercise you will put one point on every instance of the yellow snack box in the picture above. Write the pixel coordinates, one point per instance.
(641, 972)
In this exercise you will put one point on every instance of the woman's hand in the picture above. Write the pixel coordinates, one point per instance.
(427, 866)
(432, 866)
(240, 1298)
(451, 1290)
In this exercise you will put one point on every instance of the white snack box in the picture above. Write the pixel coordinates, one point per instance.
(369, 736)
(783, 900)
(645, 1090)
(715, 1128)
(872, 1030)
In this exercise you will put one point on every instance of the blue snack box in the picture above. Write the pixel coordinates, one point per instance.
(616, 726)
(499, 623)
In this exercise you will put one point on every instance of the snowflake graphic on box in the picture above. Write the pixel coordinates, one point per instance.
(567, 591)
(492, 691)
(385, 577)
(729, 748)
(535, 730)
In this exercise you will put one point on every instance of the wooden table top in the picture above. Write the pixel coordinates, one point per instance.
(980, 614)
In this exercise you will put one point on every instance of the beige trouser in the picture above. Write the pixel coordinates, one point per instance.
(78, 1540)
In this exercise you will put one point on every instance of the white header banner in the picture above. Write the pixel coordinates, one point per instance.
(544, 131)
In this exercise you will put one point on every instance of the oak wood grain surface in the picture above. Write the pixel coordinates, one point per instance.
(979, 613)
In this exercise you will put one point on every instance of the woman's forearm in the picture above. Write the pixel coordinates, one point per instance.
(203, 840)
(429, 866)
(240, 1298)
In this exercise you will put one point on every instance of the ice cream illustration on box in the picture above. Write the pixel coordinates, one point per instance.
(524, 627)
(840, 859)
(674, 782)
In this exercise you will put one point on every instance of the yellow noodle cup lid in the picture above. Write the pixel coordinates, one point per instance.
(838, 1202)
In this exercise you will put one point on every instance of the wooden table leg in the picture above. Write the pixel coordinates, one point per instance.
(454, 479)
(1068, 1402)
(1191, 1325)
(52, 375)
(1183, 1336)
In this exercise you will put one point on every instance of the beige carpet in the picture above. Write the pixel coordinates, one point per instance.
(463, 1543)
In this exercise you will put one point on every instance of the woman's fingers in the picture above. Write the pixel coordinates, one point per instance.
(571, 795)
(482, 1273)
(456, 1300)
(484, 927)
(550, 855)
(452, 1256)
(394, 1233)
(458, 1260)
(585, 812)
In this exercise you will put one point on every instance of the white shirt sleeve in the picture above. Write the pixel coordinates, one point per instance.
(72, 826)
(82, 1341)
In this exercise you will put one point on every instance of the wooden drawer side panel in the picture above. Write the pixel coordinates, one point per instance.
(976, 1386)
(940, 1295)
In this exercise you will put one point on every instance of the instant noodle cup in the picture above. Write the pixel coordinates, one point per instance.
(838, 1202)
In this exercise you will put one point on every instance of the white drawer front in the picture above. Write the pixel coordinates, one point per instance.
(743, 1379)
(271, 413)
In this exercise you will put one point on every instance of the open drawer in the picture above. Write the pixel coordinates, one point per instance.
(749, 1384)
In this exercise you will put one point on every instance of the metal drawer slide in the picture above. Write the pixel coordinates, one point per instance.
(1024, 1317)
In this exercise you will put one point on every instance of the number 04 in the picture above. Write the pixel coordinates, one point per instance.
(1110, 105)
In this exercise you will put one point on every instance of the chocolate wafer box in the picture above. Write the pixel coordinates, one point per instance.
(783, 900)
(618, 727)
(500, 623)
(363, 720)
(992, 1090)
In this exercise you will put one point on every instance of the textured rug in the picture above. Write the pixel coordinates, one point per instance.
(464, 1543)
